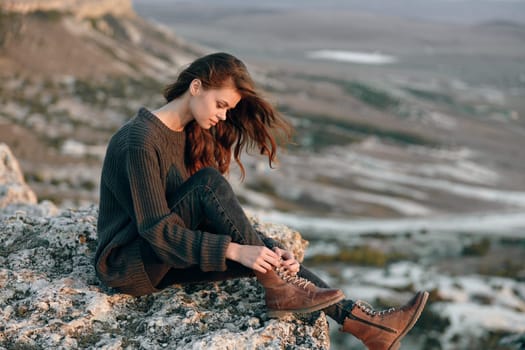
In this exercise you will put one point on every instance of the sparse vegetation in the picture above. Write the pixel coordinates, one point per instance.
(508, 268)
(56, 199)
(98, 92)
(364, 255)
(36, 177)
(49, 15)
(88, 185)
(431, 321)
(513, 241)
(323, 130)
(9, 25)
(364, 92)
(469, 109)
(370, 95)
(478, 248)
(377, 235)
(434, 296)
(263, 185)
(494, 340)
(430, 95)
(118, 31)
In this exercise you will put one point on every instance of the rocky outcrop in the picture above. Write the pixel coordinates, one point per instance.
(81, 8)
(51, 299)
(13, 189)
(16, 197)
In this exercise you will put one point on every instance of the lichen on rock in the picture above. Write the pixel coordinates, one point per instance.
(51, 298)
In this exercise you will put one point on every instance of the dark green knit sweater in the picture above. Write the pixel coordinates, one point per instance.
(144, 163)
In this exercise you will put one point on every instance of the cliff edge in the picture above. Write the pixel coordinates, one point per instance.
(50, 297)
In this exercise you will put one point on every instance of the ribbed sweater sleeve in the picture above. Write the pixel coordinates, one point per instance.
(163, 229)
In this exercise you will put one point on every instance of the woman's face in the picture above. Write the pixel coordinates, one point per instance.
(209, 106)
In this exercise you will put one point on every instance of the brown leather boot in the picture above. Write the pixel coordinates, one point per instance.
(383, 330)
(286, 293)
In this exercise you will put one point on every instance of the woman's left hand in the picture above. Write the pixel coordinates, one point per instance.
(288, 261)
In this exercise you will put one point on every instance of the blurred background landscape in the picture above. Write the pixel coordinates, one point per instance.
(407, 170)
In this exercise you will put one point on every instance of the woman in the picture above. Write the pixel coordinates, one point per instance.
(167, 215)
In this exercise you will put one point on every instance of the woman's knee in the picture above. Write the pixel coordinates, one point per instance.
(210, 177)
(218, 184)
(210, 180)
(208, 173)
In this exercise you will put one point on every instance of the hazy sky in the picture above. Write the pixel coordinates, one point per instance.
(462, 11)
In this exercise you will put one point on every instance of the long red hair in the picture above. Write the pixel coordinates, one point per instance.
(252, 124)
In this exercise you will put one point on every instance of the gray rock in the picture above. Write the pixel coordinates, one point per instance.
(16, 197)
(13, 189)
(51, 299)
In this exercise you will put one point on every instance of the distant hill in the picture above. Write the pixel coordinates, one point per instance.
(71, 73)
(84, 39)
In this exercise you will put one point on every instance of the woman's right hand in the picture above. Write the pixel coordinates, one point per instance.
(258, 258)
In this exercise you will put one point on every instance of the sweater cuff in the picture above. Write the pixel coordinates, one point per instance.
(213, 252)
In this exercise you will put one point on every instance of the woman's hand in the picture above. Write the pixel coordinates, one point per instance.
(288, 261)
(258, 258)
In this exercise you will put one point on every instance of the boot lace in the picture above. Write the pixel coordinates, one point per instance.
(369, 310)
(289, 278)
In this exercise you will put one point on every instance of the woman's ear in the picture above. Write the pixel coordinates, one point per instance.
(195, 87)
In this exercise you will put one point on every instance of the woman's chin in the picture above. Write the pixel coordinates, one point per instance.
(206, 126)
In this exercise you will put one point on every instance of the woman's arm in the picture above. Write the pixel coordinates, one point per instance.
(163, 229)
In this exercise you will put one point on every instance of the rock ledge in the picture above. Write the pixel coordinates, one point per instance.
(51, 299)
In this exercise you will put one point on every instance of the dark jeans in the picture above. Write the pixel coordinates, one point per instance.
(206, 201)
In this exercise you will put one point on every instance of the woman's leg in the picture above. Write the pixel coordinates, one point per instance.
(337, 311)
(206, 200)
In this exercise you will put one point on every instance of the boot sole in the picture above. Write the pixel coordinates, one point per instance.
(282, 313)
(396, 344)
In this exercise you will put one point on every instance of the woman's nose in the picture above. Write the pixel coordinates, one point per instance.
(221, 116)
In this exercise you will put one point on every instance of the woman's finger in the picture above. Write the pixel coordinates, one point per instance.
(288, 262)
(265, 265)
(275, 255)
(284, 254)
(259, 268)
(272, 259)
(278, 251)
